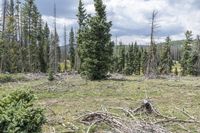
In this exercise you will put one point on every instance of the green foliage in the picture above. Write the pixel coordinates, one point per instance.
(122, 58)
(166, 59)
(96, 47)
(144, 59)
(176, 68)
(195, 58)
(72, 49)
(186, 56)
(50, 75)
(17, 114)
(5, 78)
(129, 61)
(133, 60)
(82, 16)
(176, 71)
(136, 59)
(25, 39)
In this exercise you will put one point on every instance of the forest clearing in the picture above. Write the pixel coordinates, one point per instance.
(64, 100)
(99, 66)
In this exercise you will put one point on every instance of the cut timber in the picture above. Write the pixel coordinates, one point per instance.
(146, 107)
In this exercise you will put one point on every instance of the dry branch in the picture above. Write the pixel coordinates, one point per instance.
(120, 125)
(145, 124)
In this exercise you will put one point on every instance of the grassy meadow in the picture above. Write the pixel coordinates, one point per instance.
(65, 99)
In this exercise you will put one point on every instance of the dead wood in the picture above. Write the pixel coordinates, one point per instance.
(145, 124)
(120, 125)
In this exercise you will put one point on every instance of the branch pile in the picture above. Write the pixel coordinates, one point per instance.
(120, 125)
(137, 123)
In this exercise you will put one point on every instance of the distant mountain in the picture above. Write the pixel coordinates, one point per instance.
(175, 43)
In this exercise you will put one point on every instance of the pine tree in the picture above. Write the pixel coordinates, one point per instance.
(96, 48)
(30, 19)
(130, 61)
(186, 57)
(82, 17)
(195, 58)
(72, 48)
(122, 58)
(136, 59)
(144, 59)
(41, 50)
(46, 46)
(23, 45)
(166, 59)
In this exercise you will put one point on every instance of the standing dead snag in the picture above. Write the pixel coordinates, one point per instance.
(152, 71)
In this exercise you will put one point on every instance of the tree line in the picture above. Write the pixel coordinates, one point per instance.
(26, 42)
(28, 45)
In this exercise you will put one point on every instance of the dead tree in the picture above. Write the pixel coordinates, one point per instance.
(65, 50)
(151, 71)
(54, 47)
(4, 11)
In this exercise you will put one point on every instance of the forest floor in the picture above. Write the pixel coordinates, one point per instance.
(65, 99)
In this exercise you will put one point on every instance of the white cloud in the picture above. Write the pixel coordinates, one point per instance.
(131, 18)
(172, 18)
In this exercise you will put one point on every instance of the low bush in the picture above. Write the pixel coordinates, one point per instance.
(6, 78)
(17, 114)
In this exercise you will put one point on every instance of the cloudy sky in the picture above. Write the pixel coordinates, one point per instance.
(131, 18)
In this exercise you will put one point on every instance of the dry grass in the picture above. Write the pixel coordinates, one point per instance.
(66, 99)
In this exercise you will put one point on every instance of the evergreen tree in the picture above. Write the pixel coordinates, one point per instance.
(195, 58)
(46, 45)
(72, 48)
(23, 44)
(41, 42)
(30, 19)
(122, 58)
(130, 61)
(166, 59)
(96, 48)
(186, 57)
(136, 59)
(82, 17)
(144, 59)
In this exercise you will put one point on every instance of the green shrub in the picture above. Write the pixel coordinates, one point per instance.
(17, 114)
(6, 78)
(50, 76)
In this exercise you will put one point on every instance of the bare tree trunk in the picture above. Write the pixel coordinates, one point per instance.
(65, 51)
(152, 71)
(29, 40)
(3, 29)
(1, 64)
(56, 45)
(4, 16)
